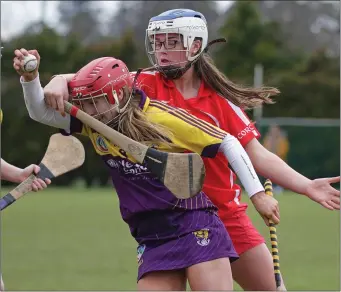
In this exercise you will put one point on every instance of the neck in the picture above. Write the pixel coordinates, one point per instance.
(188, 84)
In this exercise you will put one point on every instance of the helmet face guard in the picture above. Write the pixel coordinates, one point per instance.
(184, 26)
(78, 99)
(102, 78)
(158, 51)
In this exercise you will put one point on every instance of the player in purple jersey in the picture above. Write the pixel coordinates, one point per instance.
(178, 239)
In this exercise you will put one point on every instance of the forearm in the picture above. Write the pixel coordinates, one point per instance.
(241, 164)
(10, 172)
(274, 168)
(37, 109)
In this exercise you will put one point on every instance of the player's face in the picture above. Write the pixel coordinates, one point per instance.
(100, 109)
(169, 49)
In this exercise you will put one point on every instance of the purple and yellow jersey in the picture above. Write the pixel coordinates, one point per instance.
(139, 190)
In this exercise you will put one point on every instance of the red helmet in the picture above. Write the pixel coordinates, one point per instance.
(102, 77)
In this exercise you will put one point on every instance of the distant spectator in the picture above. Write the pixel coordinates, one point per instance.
(276, 141)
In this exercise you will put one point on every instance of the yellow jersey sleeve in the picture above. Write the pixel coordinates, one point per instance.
(189, 132)
(0, 116)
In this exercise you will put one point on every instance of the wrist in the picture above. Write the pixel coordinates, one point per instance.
(30, 77)
(257, 197)
(305, 187)
(15, 176)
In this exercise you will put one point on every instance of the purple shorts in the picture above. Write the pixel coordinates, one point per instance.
(210, 243)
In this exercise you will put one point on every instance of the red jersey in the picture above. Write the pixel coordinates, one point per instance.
(219, 183)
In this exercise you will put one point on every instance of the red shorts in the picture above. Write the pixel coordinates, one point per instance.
(240, 228)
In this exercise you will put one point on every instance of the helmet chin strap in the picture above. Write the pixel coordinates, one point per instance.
(176, 72)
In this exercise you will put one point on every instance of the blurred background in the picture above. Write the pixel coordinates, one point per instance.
(70, 236)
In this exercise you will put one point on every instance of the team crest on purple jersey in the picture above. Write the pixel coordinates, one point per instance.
(101, 144)
(140, 251)
(202, 237)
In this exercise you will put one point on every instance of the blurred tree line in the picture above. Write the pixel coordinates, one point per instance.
(309, 83)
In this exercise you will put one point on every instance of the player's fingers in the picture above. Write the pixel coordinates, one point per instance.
(47, 181)
(60, 104)
(53, 102)
(35, 53)
(41, 183)
(333, 180)
(334, 205)
(266, 220)
(18, 54)
(24, 51)
(36, 169)
(276, 213)
(336, 192)
(275, 219)
(16, 66)
(34, 186)
(38, 184)
(47, 100)
(326, 205)
(336, 200)
(17, 61)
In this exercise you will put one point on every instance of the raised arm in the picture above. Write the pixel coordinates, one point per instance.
(34, 95)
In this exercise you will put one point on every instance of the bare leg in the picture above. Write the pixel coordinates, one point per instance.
(163, 281)
(254, 270)
(213, 275)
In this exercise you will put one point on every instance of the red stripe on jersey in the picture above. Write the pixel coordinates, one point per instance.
(188, 118)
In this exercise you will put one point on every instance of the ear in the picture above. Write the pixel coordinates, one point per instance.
(195, 48)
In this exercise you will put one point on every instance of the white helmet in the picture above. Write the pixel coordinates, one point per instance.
(188, 23)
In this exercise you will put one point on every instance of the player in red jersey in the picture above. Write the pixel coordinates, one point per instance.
(176, 41)
(185, 77)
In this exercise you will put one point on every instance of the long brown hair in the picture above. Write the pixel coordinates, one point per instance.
(242, 96)
(134, 123)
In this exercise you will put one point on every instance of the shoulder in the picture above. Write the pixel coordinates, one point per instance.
(148, 76)
(148, 82)
(231, 110)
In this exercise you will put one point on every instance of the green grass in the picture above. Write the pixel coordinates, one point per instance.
(75, 239)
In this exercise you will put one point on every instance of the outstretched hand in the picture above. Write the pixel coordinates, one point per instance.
(321, 191)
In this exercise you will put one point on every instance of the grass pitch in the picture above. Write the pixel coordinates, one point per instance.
(75, 239)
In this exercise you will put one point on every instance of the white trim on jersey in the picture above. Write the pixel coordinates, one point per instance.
(239, 113)
(236, 198)
(231, 178)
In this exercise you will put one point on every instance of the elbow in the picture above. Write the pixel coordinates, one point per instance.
(229, 141)
(34, 117)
